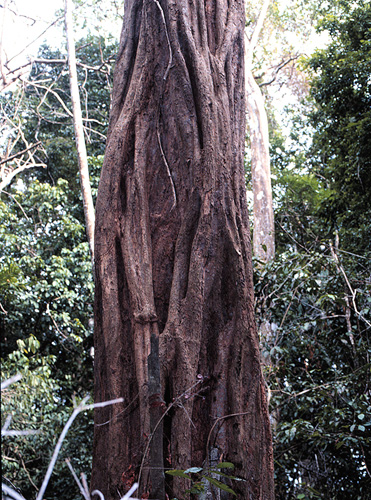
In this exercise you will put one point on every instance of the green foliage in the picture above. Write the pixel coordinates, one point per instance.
(341, 90)
(203, 478)
(316, 299)
(319, 373)
(35, 404)
(46, 242)
(46, 296)
(46, 285)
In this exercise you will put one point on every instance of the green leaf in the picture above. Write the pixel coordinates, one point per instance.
(225, 465)
(177, 473)
(220, 485)
(300, 496)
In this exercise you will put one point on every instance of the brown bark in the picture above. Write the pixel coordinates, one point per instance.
(173, 256)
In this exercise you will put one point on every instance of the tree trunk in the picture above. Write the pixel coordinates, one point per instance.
(263, 217)
(263, 234)
(173, 258)
(87, 198)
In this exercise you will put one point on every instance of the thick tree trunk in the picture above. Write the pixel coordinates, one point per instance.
(173, 257)
(82, 156)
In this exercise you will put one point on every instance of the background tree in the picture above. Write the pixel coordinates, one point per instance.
(87, 198)
(46, 313)
(173, 256)
(316, 293)
(276, 34)
(263, 217)
(341, 91)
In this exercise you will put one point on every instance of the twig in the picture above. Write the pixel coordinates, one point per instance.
(11, 492)
(167, 167)
(20, 153)
(158, 118)
(167, 38)
(28, 474)
(81, 488)
(288, 307)
(54, 322)
(215, 424)
(321, 386)
(33, 41)
(19, 433)
(17, 202)
(352, 292)
(7, 423)
(99, 493)
(120, 413)
(365, 461)
(85, 484)
(278, 69)
(127, 496)
(82, 407)
(132, 489)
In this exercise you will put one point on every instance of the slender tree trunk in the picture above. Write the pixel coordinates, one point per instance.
(2, 53)
(79, 131)
(263, 235)
(174, 293)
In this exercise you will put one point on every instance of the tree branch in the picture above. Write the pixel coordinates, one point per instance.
(278, 69)
(7, 160)
(251, 44)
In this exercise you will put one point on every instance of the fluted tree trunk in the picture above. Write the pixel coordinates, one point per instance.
(175, 334)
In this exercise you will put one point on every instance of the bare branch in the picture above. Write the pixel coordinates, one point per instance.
(10, 492)
(82, 407)
(19, 433)
(17, 171)
(11, 380)
(85, 484)
(39, 60)
(10, 158)
(7, 423)
(81, 488)
(35, 40)
(278, 69)
(251, 43)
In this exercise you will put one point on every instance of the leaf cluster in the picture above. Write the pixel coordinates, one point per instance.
(204, 478)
